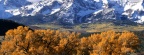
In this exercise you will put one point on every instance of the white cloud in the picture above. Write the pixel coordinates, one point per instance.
(33, 0)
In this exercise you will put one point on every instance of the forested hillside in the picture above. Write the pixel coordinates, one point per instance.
(5, 25)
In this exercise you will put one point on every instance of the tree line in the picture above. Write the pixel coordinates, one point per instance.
(22, 41)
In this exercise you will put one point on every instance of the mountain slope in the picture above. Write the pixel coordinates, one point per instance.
(78, 11)
(6, 25)
(7, 5)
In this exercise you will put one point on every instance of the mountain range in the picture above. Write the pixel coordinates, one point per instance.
(72, 11)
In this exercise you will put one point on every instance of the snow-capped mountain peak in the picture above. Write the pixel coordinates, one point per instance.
(75, 11)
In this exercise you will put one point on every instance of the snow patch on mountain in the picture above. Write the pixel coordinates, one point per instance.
(33, 0)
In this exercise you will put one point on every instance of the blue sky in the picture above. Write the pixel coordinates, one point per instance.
(33, 0)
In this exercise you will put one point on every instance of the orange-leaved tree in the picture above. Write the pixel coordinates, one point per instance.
(22, 41)
(112, 43)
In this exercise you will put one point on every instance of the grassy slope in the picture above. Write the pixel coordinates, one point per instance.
(98, 27)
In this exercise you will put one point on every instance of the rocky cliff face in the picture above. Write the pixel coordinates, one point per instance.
(75, 11)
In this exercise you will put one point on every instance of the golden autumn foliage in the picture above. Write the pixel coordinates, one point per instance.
(111, 43)
(22, 41)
